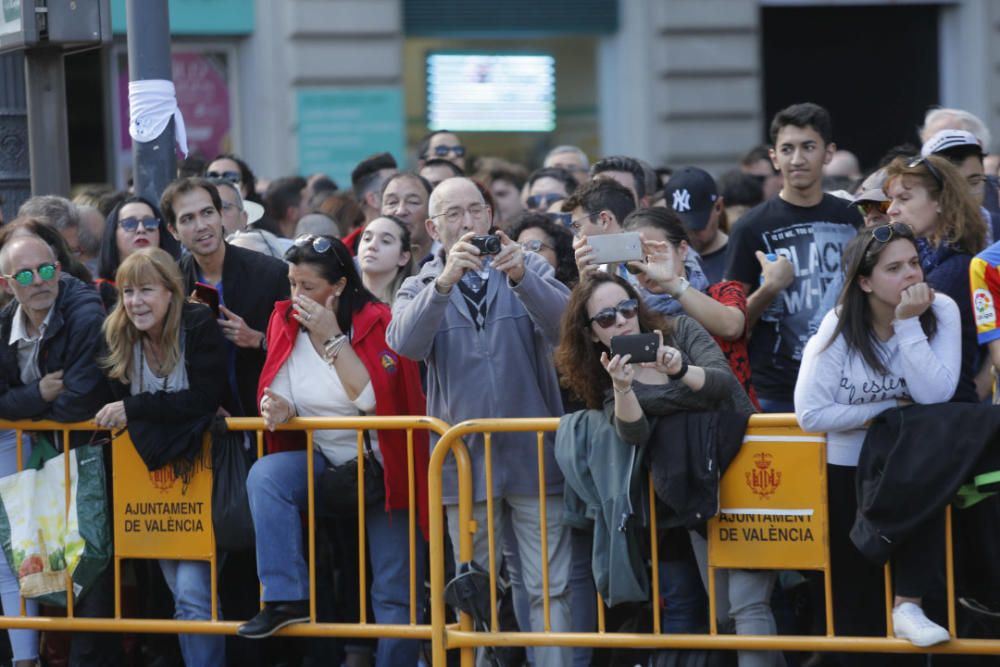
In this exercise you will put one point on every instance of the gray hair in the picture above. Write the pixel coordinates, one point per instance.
(568, 148)
(434, 203)
(956, 119)
(54, 211)
(318, 224)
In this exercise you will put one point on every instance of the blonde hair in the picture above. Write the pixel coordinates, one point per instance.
(149, 265)
(959, 223)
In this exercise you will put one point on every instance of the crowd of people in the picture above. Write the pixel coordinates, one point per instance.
(469, 288)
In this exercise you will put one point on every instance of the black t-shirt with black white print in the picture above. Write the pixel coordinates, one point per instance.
(813, 240)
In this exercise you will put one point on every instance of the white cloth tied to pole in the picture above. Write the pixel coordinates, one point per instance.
(151, 104)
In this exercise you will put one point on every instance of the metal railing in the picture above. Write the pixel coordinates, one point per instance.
(777, 431)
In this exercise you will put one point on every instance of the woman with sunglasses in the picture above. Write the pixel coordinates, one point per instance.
(892, 340)
(135, 223)
(690, 374)
(167, 367)
(930, 195)
(327, 356)
(385, 256)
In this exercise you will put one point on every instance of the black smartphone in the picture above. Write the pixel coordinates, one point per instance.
(208, 295)
(642, 347)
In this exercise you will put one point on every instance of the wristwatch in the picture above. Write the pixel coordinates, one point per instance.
(682, 285)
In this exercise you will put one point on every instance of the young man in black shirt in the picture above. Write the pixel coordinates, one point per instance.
(803, 231)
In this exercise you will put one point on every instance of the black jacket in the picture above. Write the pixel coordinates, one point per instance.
(167, 426)
(912, 462)
(251, 284)
(71, 344)
(688, 453)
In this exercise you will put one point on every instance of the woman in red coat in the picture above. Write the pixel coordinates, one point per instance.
(327, 356)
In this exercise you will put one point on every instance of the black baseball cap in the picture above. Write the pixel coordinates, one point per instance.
(692, 193)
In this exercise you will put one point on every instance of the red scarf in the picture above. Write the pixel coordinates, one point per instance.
(396, 383)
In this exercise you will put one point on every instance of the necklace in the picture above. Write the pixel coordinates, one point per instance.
(156, 368)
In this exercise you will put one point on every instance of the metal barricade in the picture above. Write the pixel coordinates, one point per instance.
(205, 550)
(775, 444)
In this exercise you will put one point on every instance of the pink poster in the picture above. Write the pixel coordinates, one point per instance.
(203, 98)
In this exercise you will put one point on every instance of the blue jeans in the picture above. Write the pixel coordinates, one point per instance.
(685, 605)
(775, 405)
(24, 643)
(277, 490)
(190, 581)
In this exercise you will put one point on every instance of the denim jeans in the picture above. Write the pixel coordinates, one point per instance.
(522, 515)
(744, 597)
(775, 405)
(278, 494)
(685, 606)
(190, 581)
(23, 643)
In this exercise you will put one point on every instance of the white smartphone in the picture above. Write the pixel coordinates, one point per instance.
(613, 248)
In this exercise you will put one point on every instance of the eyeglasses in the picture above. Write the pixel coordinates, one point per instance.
(884, 233)
(130, 225)
(920, 160)
(575, 224)
(606, 318)
(229, 206)
(25, 277)
(565, 219)
(535, 202)
(456, 213)
(231, 176)
(443, 150)
(535, 245)
(868, 207)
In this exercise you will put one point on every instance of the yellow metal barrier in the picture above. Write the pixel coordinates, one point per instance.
(772, 435)
(205, 549)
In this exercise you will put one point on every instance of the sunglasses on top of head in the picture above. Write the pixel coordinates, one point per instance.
(231, 176)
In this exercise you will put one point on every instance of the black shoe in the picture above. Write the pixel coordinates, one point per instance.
(273, 617)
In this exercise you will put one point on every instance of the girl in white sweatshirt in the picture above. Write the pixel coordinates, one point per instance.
(891, 341)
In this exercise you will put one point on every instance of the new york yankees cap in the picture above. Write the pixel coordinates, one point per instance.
(692, 193)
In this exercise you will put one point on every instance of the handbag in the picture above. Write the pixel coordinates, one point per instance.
(41, 540)
(337, 487)
(231, 516)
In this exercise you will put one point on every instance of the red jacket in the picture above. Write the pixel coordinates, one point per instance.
(396, 383)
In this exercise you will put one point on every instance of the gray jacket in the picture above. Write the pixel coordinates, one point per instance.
(605, 492)
(504, 370)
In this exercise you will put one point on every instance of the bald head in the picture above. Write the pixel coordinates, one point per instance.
(456, 208)
(22, 246)
(447, 190)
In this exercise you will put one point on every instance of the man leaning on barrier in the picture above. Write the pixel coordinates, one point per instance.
(485, 324)
(49, 338)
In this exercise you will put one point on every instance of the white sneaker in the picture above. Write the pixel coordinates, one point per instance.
(909, 622)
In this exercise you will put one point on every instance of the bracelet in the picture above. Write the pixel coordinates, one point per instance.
(681, 373)
(621, 391)
(332, 346)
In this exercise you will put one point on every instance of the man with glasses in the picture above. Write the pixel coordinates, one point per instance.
(871, 201)
(546, 186)
(787, 253)
(486, 326)
(51, 341)
(597, 207)
(441, 145)
(248, 283)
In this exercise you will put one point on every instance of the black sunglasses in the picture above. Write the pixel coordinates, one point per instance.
(535, 202)
(562, 218)
(320, 245)
(606, 318)
(884, 233)
(231, 176)
(920, 160)
(442, 150)
(132, 224)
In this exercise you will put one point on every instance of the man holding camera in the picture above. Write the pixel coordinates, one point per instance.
(484, 315)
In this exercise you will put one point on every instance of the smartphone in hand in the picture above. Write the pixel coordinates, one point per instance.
(642, 347)
(208, 295)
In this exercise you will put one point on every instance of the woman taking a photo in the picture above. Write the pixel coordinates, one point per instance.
(327, 356)
(892, 340)
(690, 374)
(930, 196)
(132, 225)
(385, 256)
(165, 359)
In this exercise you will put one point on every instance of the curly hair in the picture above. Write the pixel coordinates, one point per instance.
(578, 357)
(959, 223)
(562, 242)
